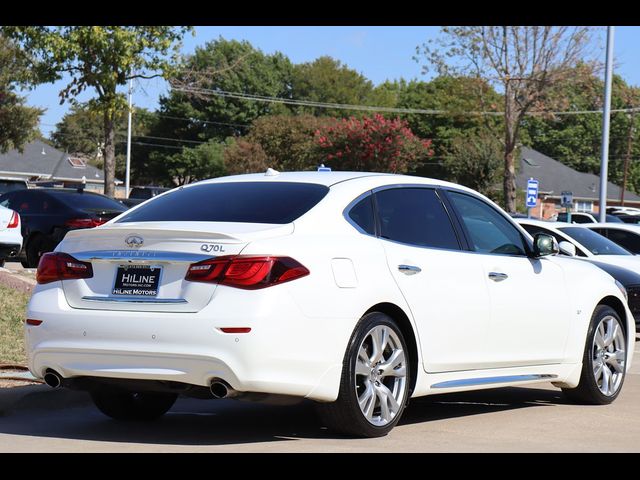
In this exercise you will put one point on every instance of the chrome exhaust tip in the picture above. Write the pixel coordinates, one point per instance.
(53, 379)
(221, 389)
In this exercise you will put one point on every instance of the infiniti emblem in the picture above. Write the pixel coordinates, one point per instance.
(134, 241)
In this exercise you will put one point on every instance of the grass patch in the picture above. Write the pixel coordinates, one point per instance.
(13, 305)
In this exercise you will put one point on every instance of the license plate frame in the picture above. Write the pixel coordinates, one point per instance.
(143, 281)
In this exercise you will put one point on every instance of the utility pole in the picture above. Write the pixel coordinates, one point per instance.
(606, 116)
(128, 174)
(627, 158)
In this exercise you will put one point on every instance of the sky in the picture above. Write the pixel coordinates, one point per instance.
(379, 53)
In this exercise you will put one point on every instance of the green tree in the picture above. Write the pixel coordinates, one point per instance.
(329, 81)
(102, 58)
(526, 63)
(474, 160)
(372, 144)
(18, 123)
(197, 163)
(192, 112)
(243, 156)
(81, 132)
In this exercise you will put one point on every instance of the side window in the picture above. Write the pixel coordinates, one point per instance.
(362, 215)
(415, 216)
(628, 240)
(490, 232)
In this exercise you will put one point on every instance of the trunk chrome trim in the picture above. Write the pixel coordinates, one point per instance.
(468, 382)
(141, 256)
(134, 300)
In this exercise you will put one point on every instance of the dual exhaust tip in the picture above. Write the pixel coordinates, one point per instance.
(218, 388)
(53, 379)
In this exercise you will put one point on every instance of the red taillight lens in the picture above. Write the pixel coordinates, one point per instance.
(61, 266)
(84, 222)
(14, 221)
(249, 273)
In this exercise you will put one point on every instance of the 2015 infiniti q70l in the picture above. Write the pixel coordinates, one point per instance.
(354, 290)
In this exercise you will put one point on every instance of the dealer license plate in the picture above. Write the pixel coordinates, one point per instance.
(137, 280)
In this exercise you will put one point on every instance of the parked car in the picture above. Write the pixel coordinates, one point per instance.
(582, 217)
(355, 290)
(633, 219)
(10, 236)
(8, 184)
(619, 210)
(589, 246)
(49, 213)
(140, 194)
(624, 234)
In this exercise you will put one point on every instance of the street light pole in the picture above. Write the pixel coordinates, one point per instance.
(128, 173)
(606, 115)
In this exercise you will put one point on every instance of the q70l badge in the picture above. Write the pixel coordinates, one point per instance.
(209, 247)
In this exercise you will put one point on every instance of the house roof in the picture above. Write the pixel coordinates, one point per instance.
(38, 160)
(555, 177)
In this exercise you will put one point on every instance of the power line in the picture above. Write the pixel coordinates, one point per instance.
(344, 106)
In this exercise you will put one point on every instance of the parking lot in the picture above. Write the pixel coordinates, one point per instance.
(533, 419)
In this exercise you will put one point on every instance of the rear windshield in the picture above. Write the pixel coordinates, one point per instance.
(596, 243)
(87, 201)
(246, 202)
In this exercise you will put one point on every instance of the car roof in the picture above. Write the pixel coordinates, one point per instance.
(631, 227)
(331, 178)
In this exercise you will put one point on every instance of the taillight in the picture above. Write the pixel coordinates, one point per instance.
(61, 266)
(14, 221)
(84, 222)
(249, 273)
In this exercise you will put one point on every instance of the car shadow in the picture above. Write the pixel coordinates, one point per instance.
(226, 422)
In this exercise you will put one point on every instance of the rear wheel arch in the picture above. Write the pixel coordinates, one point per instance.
(408, 332)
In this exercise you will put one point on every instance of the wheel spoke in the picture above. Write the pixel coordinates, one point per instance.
(612, 381)
(615, 360)
(599, 337)
(612, 332)
(597, 370)
(362, 368)
(367, 401)
(394, 365)
(388, 404)
(606, 380)
(379, 337)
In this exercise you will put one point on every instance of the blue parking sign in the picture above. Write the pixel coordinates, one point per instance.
(532, 192)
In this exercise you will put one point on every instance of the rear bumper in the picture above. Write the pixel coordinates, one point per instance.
(9, 250)
(285, 352)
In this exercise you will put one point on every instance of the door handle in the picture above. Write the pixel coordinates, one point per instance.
(497, 276)
(409, 269)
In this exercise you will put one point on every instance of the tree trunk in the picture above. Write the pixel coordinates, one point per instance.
(109, 155)
(510, 132)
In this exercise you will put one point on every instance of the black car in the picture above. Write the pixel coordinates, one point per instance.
(49, 213)
(631, 282)
(140, 194)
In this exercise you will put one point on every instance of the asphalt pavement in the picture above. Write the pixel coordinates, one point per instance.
(526, 419)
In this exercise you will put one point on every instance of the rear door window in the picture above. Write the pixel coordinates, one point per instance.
(415, 216)
(243, 202)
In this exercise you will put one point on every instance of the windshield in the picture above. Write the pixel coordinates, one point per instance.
(245, 202)
(594, 242)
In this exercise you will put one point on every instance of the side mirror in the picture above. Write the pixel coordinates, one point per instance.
(567, 248)
(544, 245)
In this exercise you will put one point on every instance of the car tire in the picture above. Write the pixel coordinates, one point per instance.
(604, 360)
(34, 251)
(133, 406)
(379, 381)
(2, 262)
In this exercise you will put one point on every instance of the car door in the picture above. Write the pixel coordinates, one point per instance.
(444, 287)
(530, 318)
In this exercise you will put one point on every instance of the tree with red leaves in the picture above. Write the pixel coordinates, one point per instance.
(372, 144)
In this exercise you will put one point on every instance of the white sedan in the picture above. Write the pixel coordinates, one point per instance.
(356, 290)
(587, 243)
(10, 234)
